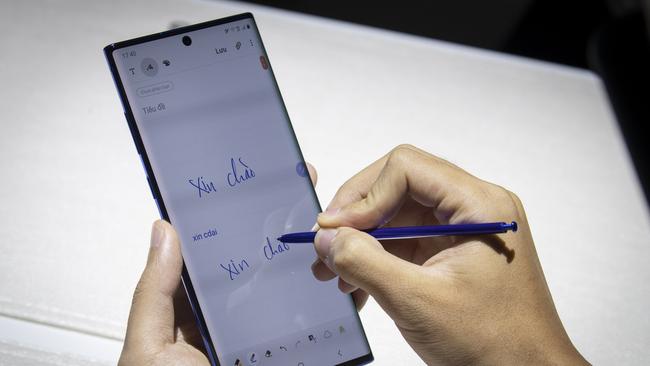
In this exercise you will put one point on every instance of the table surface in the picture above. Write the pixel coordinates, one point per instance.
(76, 209)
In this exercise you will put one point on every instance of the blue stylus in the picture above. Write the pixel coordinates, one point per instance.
(409, 232)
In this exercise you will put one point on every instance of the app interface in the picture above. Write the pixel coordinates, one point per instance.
(232, 179)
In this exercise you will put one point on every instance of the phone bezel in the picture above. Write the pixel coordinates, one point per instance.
(137, 139)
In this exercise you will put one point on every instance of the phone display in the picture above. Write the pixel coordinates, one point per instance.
(226, 170)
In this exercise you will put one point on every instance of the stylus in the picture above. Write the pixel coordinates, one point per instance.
(410, 232)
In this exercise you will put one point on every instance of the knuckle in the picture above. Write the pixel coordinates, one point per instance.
(507, 202)
(519, 206)
(401, 153)
(402, 147)
(514, 198)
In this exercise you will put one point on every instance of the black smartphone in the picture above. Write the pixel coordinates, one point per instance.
(225, 168)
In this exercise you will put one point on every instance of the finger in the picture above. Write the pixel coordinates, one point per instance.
(184, 321)
(151, 321)
(321, 271)
(361, 261)
(357, 187)
(360, 298)
(345, 287)
(409, 172)
(313, 174)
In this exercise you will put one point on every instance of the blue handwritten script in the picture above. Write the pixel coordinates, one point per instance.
(271, 250)
(239, 172)
(235, 269)
(202, 186)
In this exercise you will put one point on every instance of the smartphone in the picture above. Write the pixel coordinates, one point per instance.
(225, 168)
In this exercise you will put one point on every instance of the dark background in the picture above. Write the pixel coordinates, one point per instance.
(609, 37)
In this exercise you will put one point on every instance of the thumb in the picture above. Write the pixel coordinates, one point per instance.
(360, 260)
(151, 321)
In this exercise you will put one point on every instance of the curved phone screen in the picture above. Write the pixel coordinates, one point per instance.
(232, 179)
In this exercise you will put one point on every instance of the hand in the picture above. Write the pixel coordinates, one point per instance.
(161, 328)
(456, 300)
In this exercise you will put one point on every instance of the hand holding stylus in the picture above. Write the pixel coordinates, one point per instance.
(456, 300)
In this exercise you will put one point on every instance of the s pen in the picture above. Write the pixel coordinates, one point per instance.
(410, 232)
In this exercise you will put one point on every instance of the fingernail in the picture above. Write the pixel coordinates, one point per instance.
(157, 234)
(323, 244)
(315, 227)
(330, 212)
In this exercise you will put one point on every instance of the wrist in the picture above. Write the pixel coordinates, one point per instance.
(536, 351)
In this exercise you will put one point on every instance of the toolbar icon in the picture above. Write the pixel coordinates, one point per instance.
(149, 66)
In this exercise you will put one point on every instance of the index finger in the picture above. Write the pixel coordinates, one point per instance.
(357, 187)
(405, 172)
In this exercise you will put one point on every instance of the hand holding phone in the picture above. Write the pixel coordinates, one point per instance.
(161, 328)
(161, 325)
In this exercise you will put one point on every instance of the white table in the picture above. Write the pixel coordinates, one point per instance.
(75, 208)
